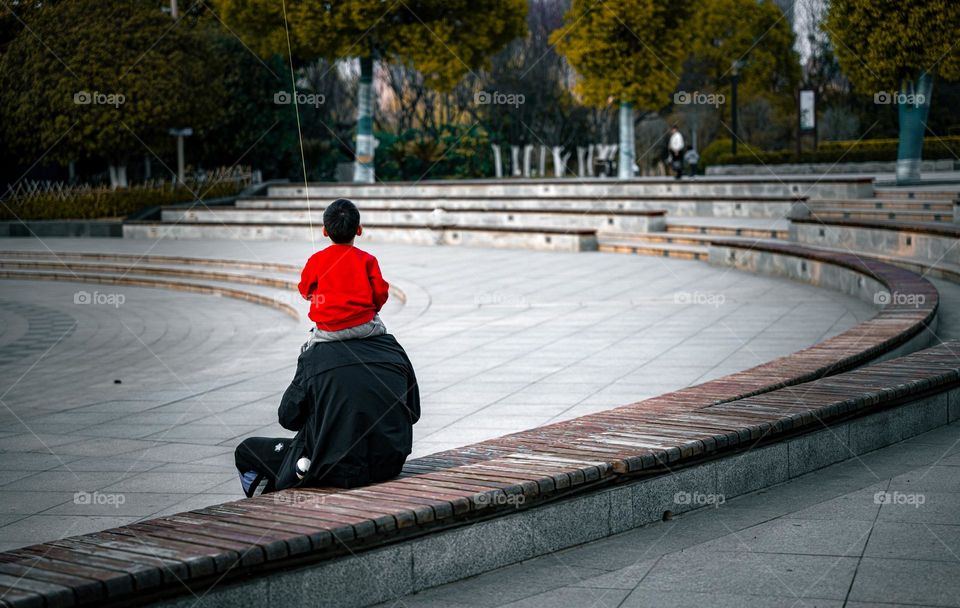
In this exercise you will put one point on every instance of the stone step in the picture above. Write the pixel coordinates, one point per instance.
(729, 230)
(672, 238)
(924, 204)
(658, 249)
(896, 214)
(902, 193)
(667, 238)
(163, 260)
(719, 206)
(269, 283)
(531, 219)
(814, 187)
(283, 300)
(545, 239)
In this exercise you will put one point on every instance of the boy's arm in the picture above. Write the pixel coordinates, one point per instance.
(381, 289)
(308, 280)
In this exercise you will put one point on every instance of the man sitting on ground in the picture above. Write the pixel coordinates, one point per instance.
(354, 398)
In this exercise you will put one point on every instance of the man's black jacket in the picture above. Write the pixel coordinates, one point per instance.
(353, 404)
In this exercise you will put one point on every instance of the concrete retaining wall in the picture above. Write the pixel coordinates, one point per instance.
(901, 242)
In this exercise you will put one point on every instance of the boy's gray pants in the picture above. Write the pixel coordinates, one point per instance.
(371, 328)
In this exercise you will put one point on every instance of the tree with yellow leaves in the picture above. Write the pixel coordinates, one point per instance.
(443, 39)
(894, 48)
(628, 51)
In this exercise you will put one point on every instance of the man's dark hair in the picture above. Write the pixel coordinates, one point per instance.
(341, 219)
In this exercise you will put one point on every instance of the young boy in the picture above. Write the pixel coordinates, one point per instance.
(343, 283)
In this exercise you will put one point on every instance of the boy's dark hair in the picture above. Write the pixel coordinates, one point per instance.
(341, 219)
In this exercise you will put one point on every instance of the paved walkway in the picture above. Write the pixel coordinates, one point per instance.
(501, 340)
(881, 530)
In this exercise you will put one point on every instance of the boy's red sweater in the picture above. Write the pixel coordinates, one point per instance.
(344, 286)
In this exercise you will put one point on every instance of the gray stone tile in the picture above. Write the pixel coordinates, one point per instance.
(133, 504)
(907, 582)
(900, 540)
(42, 528)
(921, 507)
(645, 598)
(513, 583)
(153, 481)
(573, 597)
(943, 479)
(859, 505)
(766, 574)
(797, 536)
(624, 578)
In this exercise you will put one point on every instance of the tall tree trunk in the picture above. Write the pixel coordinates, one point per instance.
(914, 106)
(363, 165)
(118, 175)
(628, 153)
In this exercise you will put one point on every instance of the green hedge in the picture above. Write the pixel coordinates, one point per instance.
(949, 142)
(849, 152)
(86, 204)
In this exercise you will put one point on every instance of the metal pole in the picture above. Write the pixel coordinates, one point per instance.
(180, 158)
(733, 110)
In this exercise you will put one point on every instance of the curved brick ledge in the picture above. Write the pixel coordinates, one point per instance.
(569, 460)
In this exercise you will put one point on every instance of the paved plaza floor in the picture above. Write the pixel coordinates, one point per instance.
(880, 530)
(146, 400)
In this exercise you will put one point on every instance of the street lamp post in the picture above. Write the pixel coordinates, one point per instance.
(180, 134)
(735, 68)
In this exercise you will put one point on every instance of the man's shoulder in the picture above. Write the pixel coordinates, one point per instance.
(323, 356)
